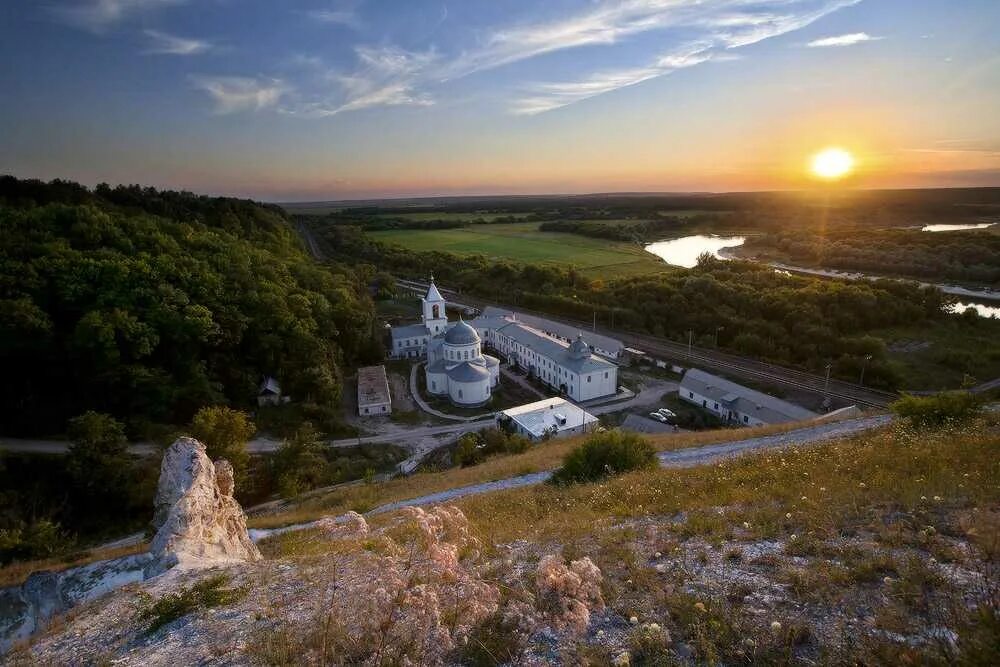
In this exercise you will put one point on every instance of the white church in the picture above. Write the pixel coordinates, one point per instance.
(457, 368)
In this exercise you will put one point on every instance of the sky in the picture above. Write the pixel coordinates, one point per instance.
(305, 100)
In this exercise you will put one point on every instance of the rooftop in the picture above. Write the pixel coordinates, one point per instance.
(541, 416)
(755, 403)
(554, 349)
(566, 331)
(373, 386)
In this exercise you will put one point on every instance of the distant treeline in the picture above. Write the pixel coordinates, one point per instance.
(961, 256)
(637, 231)
(754, 310)
(148, 305)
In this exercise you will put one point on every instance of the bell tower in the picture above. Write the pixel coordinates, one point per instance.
(435, 318)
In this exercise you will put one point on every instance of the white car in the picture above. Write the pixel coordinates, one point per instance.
(669, 414)
(658, 417)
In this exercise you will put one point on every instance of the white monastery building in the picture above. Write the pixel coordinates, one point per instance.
(553, 417)
(458, 369)
(736, 404)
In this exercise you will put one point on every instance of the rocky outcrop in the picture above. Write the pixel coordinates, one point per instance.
(198, 523)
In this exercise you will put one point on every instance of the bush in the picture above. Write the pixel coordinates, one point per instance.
(945, 408)
(603, 455)
(474, 448)
(201, 595)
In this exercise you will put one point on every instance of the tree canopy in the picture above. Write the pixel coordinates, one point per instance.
(148, 305)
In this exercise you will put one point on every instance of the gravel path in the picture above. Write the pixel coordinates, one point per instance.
(680, 458)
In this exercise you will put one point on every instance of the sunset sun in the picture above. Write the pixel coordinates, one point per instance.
(832, 163)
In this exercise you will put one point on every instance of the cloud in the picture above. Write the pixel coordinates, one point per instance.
(341, 13)
(166, 44)
(99, 15)
(231, 94)
(843, 40)
(723, 31)
(702, 31)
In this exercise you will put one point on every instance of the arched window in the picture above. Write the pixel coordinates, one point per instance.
(434, 311)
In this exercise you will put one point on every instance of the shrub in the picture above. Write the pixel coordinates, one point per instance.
(225, 433)
(201, 595)
(937, 410)
(603, 455)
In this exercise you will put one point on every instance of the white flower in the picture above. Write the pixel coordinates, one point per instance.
(803, 498)
(938, 499)
(775, 626)
(746, 524)
(657, 555)
(794, 536)
(788, 515)
(633, 620)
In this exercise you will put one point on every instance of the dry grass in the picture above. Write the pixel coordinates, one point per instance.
(16, 573)
(545, 456)
(817, 490)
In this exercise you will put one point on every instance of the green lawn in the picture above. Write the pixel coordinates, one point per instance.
(522, 242)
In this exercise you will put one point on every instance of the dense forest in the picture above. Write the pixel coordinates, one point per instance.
(754, 310)
(147, 305)
(966, 256)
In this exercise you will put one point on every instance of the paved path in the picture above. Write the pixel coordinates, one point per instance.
(680, 458)
(520, 381)
(426, 407)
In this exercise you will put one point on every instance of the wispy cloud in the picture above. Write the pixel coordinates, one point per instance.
(162, 43)
(702, 31)
(233, 93)
(843, 40)
(723, 31)
(99, 15)
(341, 13)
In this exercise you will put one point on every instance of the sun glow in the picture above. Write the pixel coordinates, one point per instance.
(832, 163)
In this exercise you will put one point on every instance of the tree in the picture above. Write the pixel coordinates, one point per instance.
(300, 464)
(225, 433)
(98, 460)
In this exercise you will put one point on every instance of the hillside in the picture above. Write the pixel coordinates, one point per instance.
(148, 305)
(874, 549)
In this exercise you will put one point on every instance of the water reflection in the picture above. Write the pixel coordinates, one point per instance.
(685, 250)
(955, 228)
(984, 311)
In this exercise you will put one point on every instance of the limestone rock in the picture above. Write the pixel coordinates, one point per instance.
(198, 522)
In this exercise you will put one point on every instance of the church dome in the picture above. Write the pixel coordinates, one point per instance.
(461, 334)
(579, 349)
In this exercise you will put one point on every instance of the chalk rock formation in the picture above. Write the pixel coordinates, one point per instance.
(198, 523)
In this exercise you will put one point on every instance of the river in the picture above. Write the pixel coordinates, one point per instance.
(955, 228)
(685, 250)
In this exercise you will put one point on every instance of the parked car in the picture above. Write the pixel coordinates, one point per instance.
(669, 415)
(658, 417)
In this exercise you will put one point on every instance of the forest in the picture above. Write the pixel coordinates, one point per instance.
(755, 311)
(147, 305)
(964, 256)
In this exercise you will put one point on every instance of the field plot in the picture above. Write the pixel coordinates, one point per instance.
(523, 242)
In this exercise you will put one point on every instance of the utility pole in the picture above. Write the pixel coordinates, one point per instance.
(826, 387)
(690, 338)
(717, 330)
(868, 358)
(594, 328)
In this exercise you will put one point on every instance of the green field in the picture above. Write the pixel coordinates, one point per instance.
(522, 242)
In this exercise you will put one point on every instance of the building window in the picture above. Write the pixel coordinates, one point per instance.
(745, 419)
(690, 394)
(588, 378)
(383, 408)
(434, 385)
(716, 406)
(460, 393)
(605, 375)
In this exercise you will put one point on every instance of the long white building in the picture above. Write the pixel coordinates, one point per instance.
(458, 368)
(736, 404)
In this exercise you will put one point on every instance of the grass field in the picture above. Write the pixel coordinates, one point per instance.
(522, 242)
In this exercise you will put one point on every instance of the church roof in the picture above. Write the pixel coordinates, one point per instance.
(555, 350)
(461, 334)
(466, 372)
(432, 292)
